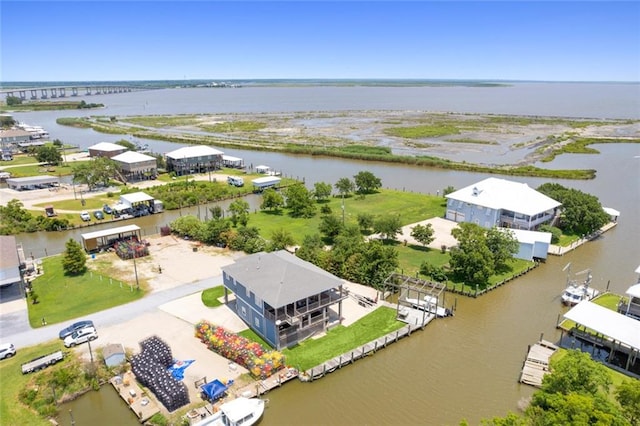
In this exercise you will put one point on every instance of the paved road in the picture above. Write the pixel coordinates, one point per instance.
(15, 328)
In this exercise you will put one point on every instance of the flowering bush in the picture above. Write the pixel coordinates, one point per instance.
(251, 355)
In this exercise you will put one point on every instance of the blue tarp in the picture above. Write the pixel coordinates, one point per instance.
(177, 369)
(214, 389)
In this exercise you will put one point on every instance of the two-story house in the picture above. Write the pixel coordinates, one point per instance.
(193, 159)
(503, 203)
(283, 298)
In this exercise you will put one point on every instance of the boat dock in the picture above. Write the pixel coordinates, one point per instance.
(136, 398)
(263, 386)
(536, 364)
(358, 353)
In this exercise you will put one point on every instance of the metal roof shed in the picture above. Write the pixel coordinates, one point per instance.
(97, 240)
(136, 198)
(32, 182)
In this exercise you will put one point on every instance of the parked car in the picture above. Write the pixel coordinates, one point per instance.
(107, 209)
(7, 350)
(80, 336)
(75, 327)
(85, 216)
(98, 214)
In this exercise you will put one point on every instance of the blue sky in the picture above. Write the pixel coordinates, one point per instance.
(155, 40)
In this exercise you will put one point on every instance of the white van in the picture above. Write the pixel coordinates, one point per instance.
(235, 181)
(80, 336)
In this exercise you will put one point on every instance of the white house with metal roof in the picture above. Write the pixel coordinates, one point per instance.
(282, 297)
(500, 202)
(194, 159)
(136, 166)
(106, 149)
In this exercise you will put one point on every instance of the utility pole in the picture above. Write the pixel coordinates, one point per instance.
(135, 269)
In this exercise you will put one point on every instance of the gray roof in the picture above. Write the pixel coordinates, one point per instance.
(10, 269)
(280, 278)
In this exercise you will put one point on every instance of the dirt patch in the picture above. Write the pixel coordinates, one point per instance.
(172, 261)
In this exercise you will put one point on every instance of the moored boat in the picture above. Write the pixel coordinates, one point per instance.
(240, 411)
(429, 304)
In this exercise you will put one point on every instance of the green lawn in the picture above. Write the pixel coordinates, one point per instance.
(210, 296)
(411, 257)
(19, 160)
(411, 207)
(12, 411)
(342, 339)
(62, 297)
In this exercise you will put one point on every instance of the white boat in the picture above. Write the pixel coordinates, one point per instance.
(575, 294)
(430, 304)
(240, 411)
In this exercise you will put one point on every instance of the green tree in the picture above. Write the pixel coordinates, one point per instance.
(74, 259)
(239, 212)
(345, 186)
(366, 182)
(322, 190)
(15, 219)
(436, 273)
(13, 100)
(187, 226)
(503, 245)
(129, 145)
(628, 395)
(57, 143)
(448, 190)
(576, 372)
(471, 260)
(582, 213)
(281, 239)
(330, 225)
(49, 154)
(423, 234)
(213, 231)
(216, 212)
(556, 233)
(299, 201)
(98, 171)
(366, 221)
(311, 249)
(247, 239)
(388, 226)
(272, 200)
(379, 261)
(7, 121)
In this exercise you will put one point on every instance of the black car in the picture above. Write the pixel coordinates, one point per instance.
(73, 327)
(98, 214)
(107, 209)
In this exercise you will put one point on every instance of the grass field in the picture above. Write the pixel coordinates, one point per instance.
(12, 411)
(62, 297)
(410, 207)
(341, 339)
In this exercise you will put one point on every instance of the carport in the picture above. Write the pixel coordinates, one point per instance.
(33, 182)
(98, 240)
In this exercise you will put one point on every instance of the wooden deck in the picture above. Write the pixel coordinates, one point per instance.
(260, 387)
(142, 404)
(536, 364)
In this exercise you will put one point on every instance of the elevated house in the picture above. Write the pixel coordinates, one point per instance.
(499, 202)
(283, 298)
(193, 159)
(106, 149)
(136, 166)
(12, 139)
(10, 265)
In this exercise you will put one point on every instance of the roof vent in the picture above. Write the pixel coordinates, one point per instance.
(476, 191)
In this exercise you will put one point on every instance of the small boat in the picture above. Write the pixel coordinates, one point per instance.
(429, 304)
(240, 411)
(576, 293)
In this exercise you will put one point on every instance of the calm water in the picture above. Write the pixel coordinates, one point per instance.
(461, 367)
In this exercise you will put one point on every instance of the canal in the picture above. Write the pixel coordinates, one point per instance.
(466, 367)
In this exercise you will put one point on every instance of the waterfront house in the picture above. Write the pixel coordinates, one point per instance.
(10, 267)
(11, 139)
(283, 298)
(194, 159)
(499, 202)
(136, 166)
(106, 149)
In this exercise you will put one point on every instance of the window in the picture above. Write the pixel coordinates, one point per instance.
(256, 322)
(243, 311)
(257, 300)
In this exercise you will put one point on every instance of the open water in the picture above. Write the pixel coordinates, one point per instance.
(464, 367)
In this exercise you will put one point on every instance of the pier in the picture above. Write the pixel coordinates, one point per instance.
(536, 364)
(135, 397)
(359, 353)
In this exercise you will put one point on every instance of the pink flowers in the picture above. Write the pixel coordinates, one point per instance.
(251, 355)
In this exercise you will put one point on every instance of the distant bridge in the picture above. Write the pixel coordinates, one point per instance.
(62, 91)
